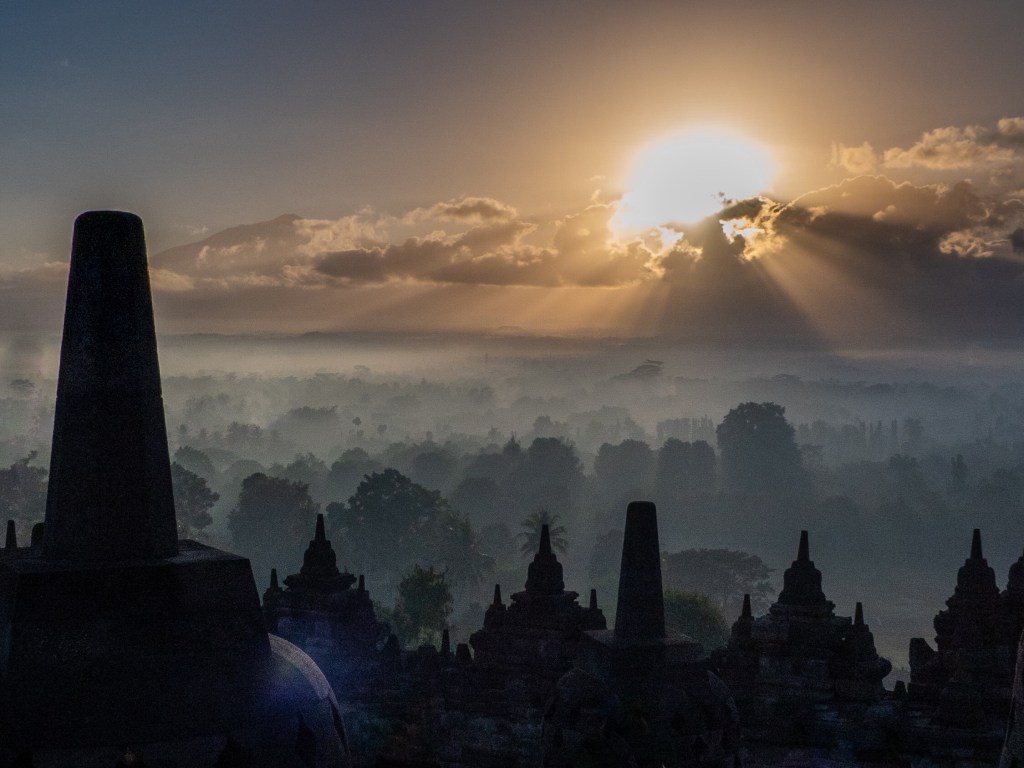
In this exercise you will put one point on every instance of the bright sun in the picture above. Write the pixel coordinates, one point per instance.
(682, 178)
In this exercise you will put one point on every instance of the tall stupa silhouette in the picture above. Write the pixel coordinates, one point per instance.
(117, 641)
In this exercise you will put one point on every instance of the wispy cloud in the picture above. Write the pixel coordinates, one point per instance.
(961, 147)
(468, 209)
(858, 160)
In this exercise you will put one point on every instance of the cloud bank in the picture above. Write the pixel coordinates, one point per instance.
(470, 240)
(961, 148)
(883, 257)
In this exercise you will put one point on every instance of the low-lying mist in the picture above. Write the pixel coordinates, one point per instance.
(898, 455)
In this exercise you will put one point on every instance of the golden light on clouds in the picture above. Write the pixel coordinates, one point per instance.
(682, 178)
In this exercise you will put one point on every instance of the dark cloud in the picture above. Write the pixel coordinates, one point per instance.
(713, 293)
(868, 261)
(524, 266)
(491, 237)
(471, 240)
(434, 258)
(581, 252)
(409, 259)
(357, 265)
(933, 207)
(1017, 240)
(929, 255)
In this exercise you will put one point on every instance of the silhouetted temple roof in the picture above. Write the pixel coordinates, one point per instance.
(802, 581)
(544, 575)
(976, 579)
(319, 566)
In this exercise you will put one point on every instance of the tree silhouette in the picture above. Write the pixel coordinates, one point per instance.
(311, 427)
(195, 461)
(348, 471)
(499, 466)
(605, 555)
(458, 550)
(483, 500)
(433, 468)
(723, 575)
(423, 608)
(305, 468)
(627, 466)
(958, 474)
(391, 523)
(550, 475)
(23, 494)
(192, 501)
(908, 481)
(387, 520)
(697, 616)
(272, 520)
(758, 448)
(684, 469)
(913, 433)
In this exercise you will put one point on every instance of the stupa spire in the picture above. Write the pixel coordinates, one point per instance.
(544, 575)
(640, 614)
(495, 613)
(320, 566)
(803, 554)
(976, 578)
(976, 545)
(11, 540)
(545, 540)
(109, 496)
(801, 582)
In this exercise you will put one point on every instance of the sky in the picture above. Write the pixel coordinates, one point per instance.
(462, 166)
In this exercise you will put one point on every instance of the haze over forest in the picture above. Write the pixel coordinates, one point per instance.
(532, 257)
(878, 483)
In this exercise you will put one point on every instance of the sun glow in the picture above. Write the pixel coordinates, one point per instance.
(686, 177)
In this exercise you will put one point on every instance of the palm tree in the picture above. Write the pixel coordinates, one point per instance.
(464, 563)
(530, 535)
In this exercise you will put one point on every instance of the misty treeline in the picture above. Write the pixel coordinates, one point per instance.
(457, 475)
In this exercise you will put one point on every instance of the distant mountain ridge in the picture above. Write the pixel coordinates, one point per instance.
(278, 231)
